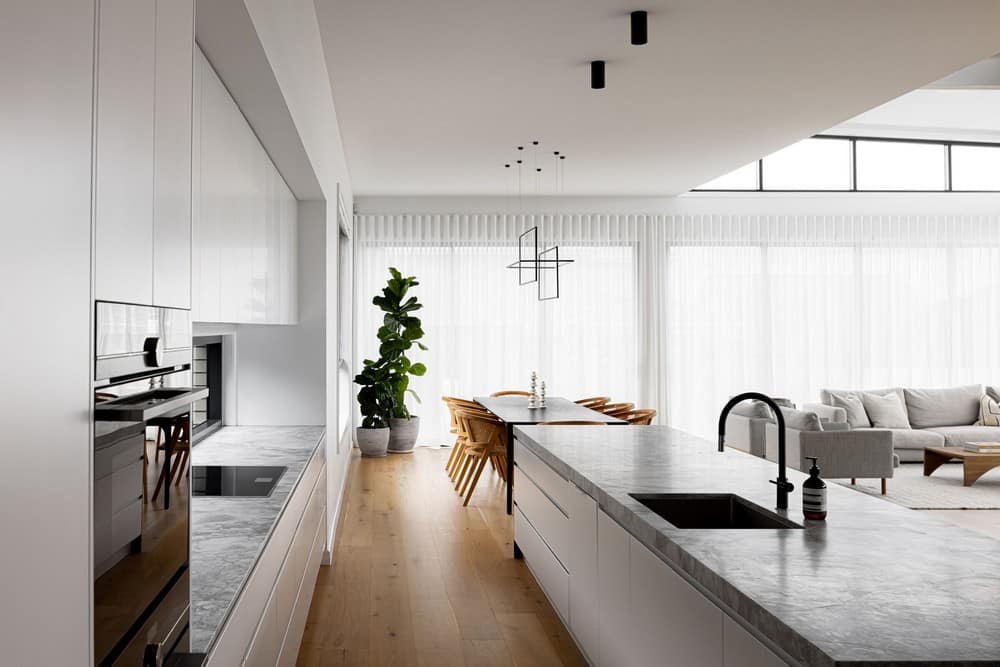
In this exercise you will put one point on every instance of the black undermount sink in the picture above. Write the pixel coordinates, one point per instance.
(711, 510)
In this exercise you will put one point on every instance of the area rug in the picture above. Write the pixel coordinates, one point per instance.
(943, 490)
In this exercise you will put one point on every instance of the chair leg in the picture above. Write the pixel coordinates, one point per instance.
(883, 486)
(476, 459)
(465, 467)
(456, 464)
(854, 482)
(472, 487)
(451, 457)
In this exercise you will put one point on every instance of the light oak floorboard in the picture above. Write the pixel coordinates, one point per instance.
(417, 579)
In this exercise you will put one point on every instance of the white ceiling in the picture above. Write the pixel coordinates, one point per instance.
(432, 96)
(932, 114)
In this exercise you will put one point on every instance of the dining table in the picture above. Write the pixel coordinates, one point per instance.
(514, 411)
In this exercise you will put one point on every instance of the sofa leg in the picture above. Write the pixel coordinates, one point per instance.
(854, 482)
(883, 486)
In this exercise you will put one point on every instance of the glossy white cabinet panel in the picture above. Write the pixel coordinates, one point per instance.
(124, 151)
(246, 218)
(172, 154)
(741, 649)
(668, 616)
(614, 612)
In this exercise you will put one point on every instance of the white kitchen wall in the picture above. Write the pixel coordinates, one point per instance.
(46, 75)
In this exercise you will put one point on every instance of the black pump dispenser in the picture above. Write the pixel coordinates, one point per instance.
(814, 494)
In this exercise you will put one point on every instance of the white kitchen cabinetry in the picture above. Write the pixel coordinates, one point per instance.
(668, 616)
(741, 649)
(268, 616)
(614, 612)
(142, 178)
(581, 561)
(172, 153)
(245, 219)
(126, 38)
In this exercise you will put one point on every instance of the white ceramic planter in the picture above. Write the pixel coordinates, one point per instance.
(373, 442)
(403, 434)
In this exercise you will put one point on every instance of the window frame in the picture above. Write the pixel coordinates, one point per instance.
(853, 177)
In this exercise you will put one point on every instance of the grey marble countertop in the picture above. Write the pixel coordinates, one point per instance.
(875, 583)
(108, 433)
(228, 534)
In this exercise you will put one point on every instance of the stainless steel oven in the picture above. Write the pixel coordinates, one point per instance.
(142, 440)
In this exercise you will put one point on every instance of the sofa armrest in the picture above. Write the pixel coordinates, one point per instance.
(746, 433)
(842, 454)
(827, 413)
(792, 445)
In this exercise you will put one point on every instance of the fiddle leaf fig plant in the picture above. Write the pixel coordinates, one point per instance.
(386, 382)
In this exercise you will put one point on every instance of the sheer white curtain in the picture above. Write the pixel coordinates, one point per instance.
(484, 331)
(679, 312)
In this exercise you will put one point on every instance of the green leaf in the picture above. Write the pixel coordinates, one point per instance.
(414, 395)
(422, 347)
(413, 333)
(418, 369)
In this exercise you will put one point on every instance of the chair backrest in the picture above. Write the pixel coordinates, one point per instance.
(510, 392)
(480, 428)
(593, 402)
(572, 422)
(616, 409)
(641, 417)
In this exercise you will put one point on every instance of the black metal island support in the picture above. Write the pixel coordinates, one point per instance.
(514, 411)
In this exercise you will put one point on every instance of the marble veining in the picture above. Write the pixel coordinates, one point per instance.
(874, 583)
(228, 534)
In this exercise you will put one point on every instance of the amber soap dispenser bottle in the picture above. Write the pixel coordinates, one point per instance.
(814, 494)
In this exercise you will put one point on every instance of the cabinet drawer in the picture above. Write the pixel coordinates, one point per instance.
(549, 572)
(117, 456)
(741, 649)
(547, 519)
(300, 612)
(115, 491)
(544, 477)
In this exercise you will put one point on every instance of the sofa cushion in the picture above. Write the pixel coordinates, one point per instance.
(825, 395)
(885, 411)
(954, 406)
(753, 409)
(994, 393)
(851, 404)
(801, 420)
(912, 438)
(956, 436)
(989, 411)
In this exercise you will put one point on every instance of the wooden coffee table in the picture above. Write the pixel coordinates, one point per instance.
(974, 464)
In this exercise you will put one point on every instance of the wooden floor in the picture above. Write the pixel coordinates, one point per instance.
(418, 579)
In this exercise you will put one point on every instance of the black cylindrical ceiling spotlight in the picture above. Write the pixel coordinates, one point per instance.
(597, 74)
(640, 33)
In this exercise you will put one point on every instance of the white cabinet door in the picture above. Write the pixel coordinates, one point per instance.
(741, 649)
(581, 561)
(616, 646)
(245, 221)
(123, 186)
(668, 616)
(172, 153)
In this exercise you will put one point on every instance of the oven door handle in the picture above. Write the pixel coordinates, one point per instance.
(156, 654)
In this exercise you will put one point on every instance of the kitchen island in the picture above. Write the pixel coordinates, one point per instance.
(875, 583)
(228, 534)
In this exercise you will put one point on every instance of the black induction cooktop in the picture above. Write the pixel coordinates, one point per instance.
(235, 481)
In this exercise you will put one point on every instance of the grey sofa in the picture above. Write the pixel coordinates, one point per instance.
(842, 453)
(933, 417)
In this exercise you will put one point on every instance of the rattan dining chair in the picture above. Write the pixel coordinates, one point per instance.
(616, 409)
(640, 417)
(458, 453)
(485, 443)
(510, 392)
(594, 402)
